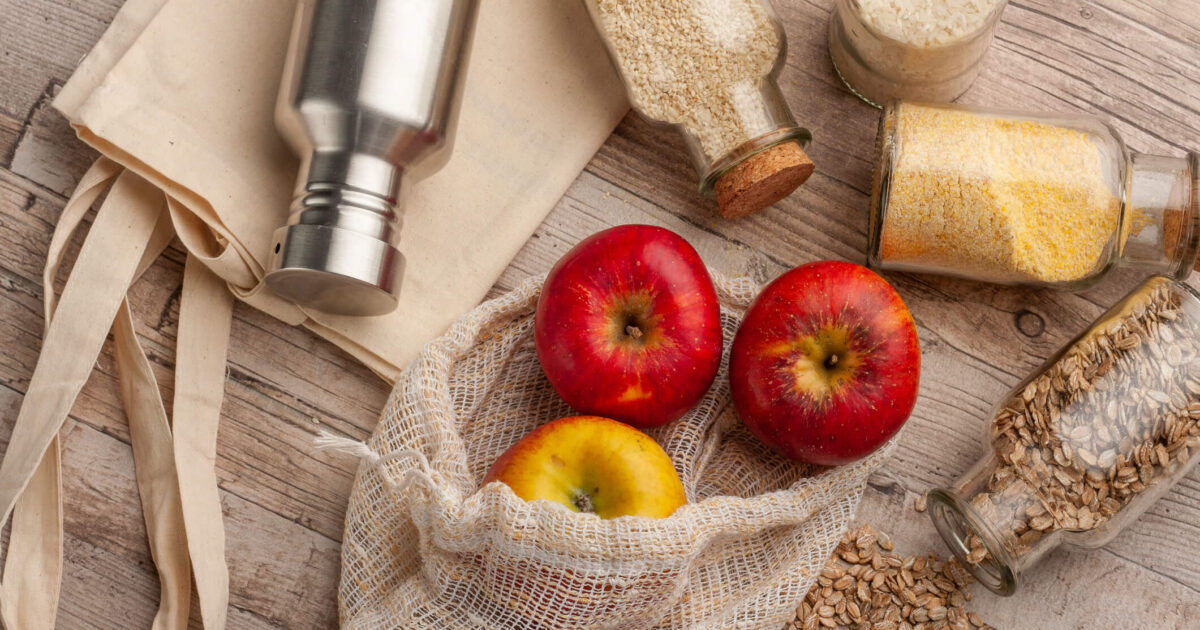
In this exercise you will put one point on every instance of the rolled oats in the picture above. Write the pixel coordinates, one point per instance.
(910, 592)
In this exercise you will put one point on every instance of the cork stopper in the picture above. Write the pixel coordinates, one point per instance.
(762, 179)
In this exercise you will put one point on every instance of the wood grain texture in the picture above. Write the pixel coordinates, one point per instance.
(38, 156)
(1133, 62)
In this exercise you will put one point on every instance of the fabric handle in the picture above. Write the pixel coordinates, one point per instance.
(129, 232)
(33, 576)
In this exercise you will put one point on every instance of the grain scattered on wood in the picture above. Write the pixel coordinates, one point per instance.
(865, 585)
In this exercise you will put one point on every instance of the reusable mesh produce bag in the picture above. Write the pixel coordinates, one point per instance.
(425, 547)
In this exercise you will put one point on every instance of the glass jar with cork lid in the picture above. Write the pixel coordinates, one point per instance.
(1031, 199)
(709, 70)
(1086, 444)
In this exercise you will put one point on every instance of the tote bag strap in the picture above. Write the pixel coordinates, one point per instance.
(205, 317)
(130, 230)
(175, 463)
(32, 574)
(73, 339)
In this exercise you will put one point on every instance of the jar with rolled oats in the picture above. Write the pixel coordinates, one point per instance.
(1085, 445)
(709, 69)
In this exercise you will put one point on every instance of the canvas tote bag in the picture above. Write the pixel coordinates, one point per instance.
(178, 97)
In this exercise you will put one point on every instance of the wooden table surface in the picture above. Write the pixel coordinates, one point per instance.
(1134, 62)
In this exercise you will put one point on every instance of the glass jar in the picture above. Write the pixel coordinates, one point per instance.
(884, 49)
(1081, 448)
(709, 70)
(1011, 198)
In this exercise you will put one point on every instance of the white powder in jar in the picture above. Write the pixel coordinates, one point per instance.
(912, 49)
(697, 63)
(927, 23)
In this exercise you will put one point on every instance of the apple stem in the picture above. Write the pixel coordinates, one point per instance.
(583, 501)
(832, 361)
(633, 331)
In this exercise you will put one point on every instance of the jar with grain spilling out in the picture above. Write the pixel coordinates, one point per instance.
(1085, 445)
(1013, 198)
(709, 69)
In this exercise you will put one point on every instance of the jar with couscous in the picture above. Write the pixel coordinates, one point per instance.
(708, 68)
(1030, 199)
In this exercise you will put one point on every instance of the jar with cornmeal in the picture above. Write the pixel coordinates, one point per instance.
(1018, 198)
(709, 70)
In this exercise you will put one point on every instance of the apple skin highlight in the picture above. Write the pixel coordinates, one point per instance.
(826, 366)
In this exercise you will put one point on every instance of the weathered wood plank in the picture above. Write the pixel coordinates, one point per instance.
(42, 41)
(25, 229)
(279, 569)
(10, 130)
(1174, 21)
(48, 152)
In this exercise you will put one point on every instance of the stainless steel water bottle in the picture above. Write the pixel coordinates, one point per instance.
(370, 88)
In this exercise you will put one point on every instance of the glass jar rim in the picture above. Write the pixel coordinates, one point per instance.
(955, 520)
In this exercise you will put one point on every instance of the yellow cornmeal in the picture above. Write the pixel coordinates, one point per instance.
(997, 199)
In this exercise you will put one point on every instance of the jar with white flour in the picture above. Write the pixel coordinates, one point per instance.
(925, 50)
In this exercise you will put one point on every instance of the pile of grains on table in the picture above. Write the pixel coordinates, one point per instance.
(696, 63)
(1114, 417)
(867, 586)
(997, 199)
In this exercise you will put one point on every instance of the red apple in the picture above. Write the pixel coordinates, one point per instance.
(825, 367)
(628, 326)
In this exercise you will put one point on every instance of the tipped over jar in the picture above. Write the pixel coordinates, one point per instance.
(1032, 199)
(1087, 443)
(709, 70)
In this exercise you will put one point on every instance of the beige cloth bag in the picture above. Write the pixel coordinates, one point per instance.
(178, 97)
(424, 550)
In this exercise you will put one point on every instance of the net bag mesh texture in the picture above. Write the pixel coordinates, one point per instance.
(426, 548)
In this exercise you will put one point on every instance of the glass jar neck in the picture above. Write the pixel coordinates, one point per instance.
(753, 117)
(1160, 231)
(995, 522)
(977, 544)
(711, 171)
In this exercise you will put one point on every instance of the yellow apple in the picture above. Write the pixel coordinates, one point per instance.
(592, 464)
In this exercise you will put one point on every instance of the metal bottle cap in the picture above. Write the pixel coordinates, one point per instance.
(338, 252)
(335, 270)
